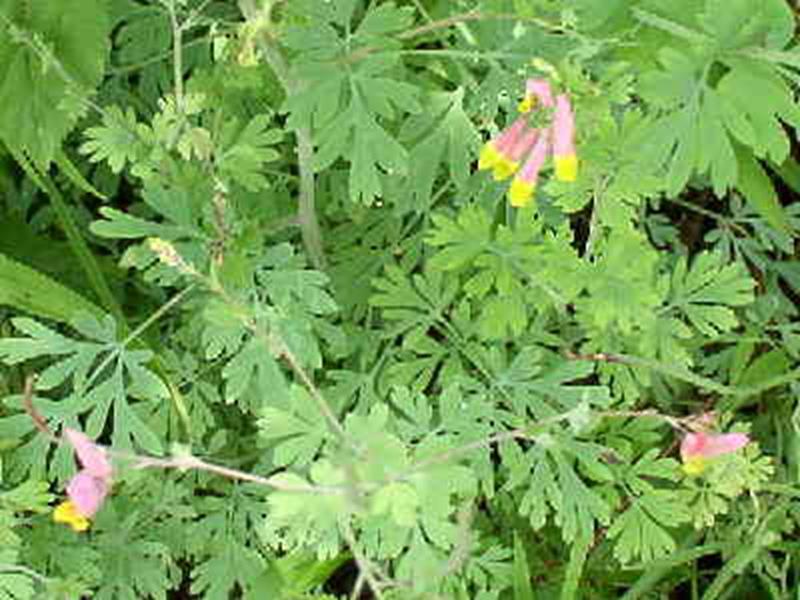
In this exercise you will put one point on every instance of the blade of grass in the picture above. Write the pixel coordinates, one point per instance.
(76, 241)
(521, 572)
(577, 560)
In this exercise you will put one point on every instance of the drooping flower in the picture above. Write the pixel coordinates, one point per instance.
(564, 156)
(510, 163)
(494, 149)
(521, 191)
(537, 91)
(498, 153)
(92, 457)
(89, 487)
(697, 448)
(530, 143)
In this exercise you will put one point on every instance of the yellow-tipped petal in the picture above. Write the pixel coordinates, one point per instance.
(68, 514)
(489, 156)
(504, 169)
(526, 104)
(694, 466)
(566, 167)
(520, 193)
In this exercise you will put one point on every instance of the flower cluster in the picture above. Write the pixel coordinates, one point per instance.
(89, 487)
(522, 149)
(697, 448)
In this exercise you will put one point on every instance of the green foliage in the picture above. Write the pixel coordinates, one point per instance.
(706, 68)
(346, 108)
(339, 364)
(100, 390)
(51, 58)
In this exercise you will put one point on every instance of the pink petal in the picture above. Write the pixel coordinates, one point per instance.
(523, 145)
(91, 456)
(709, 445)
(540, 88)
(87, 493)
(563, 127)
(510, 135)
(530, 170)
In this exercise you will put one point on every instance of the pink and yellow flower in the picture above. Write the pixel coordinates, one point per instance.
(497, 152)
(89, 487)
(521, 191)
(522, 143)
(564, 156)
(697, 448)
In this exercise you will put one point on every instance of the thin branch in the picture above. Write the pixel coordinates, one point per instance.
(322, 404)
(367, 571)
(139, 329)
(476, 15)
(27, 402)
(190, 462)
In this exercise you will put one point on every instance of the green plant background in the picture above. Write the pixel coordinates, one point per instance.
(251, 236)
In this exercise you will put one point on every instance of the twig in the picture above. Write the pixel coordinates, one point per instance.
(27, 402)
(190, 462)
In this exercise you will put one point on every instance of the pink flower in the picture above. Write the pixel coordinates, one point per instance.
(564, 156)
(536, 91)
(521, 191)
(89, 487)
(522, 143)
(498, 153)
(697, 448)
(87, 493)
(507, 167)
(91, 456)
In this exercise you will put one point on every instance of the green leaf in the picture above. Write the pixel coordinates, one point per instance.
(252, 369)
(384, 18)
(522, 574)
(554, 486)
(296, 421)
(641, 531)
(243, 151)
(621, 290)
(463, 239)
(398, 499)
(351, 112)
(97, 393)
(444, 134)
(27, 290)
(706, 293)
(701, 117)
(230, 565)
(51, 57)
(756, 186)
(117, 141)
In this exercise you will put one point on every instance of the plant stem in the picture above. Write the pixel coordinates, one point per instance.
(306, 213)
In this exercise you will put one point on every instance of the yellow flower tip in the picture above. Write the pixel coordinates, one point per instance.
(520, 194)
(504, 169)
(566, 167)
(489, 157)
(694, 466)
(67, 513)
(526, 104)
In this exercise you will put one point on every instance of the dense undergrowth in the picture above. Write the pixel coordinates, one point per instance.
(268, 331)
